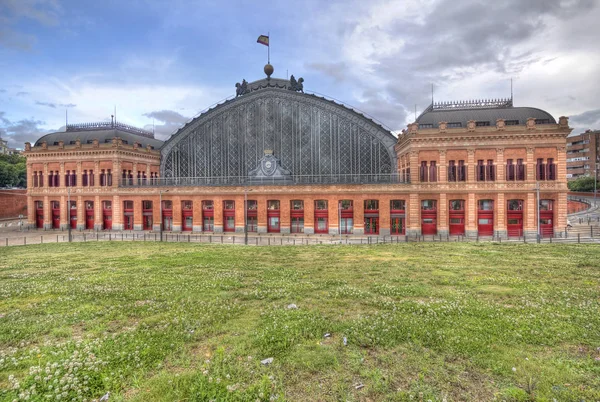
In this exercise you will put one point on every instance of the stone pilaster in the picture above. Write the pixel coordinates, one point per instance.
(500, 165)
(61, 178)
(47, 213)
(530, 164)
(359, 216)
(471, 216)
(80, 208)
(413, 227)
(98, 224)
(443, 172)
(470, 166)
(443, 227)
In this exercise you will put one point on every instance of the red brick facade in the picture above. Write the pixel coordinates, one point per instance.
(13, 203)
(485, 200)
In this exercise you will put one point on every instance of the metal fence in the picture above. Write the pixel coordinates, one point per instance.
(588, 235)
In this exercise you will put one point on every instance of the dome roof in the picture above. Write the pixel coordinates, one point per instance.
(103, 132)
(485, 112)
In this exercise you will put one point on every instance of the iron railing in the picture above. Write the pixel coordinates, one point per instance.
(291, 180)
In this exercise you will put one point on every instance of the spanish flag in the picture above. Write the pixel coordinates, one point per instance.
(263, 40)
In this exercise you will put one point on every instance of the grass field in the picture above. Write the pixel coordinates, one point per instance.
(423, 321)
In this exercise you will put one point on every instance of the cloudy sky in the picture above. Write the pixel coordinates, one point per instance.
(167, 60)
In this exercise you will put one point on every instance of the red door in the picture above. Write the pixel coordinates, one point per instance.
(514, 218)
(429, 222)
(89, 219)
(397, 226)
(187, 221)
(372, 225)
(273, 225)
(128, 221)
(73, 218)
(485, 223)
(546, 218)
(39, 218)
(55, 219)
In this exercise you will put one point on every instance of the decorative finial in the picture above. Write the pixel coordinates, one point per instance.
(269, 70)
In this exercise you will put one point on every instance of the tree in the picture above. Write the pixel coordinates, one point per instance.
(582, 184)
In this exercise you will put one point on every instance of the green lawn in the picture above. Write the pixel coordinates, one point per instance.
(423, 321)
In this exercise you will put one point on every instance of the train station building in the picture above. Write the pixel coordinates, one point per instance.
(277, 160)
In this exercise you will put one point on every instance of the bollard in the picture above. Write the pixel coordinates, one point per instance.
(41, 239)
(578, 238)
(189, 238)
(7, 242)
(110, 237)
(24, 241)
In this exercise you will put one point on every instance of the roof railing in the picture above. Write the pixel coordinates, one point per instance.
(107, 125)
(472, 104)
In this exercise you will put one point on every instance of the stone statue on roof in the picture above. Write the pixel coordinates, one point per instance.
(241, 89)
(296, 85)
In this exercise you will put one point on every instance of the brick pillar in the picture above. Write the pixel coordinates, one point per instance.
(218, 205)
(240, 205)
(359, 216)
(116, 173)
(98, 223)
(261, 214)
(29, 176)
(45, 178)
(309, 216)
(333, 216)
(530, 165)
(47, 212)
(285, 220)
(177, 213)
(197, 214)
(530, 213)
(384, 216)
(471, 218)
(80, 211)
(414, 166)
(471, 166)
(135, 171)
(64, 219)
(79, 178)
(499, 165)
(442, 226)
(560, 212)
(137, 214)
(30, 212)
(97, 176)
(413, 215)
(117, 213)
(443, 169)
(561, 164)
(500, 220)
(61, 178)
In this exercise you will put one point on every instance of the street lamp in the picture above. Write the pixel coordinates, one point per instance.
(161, 214)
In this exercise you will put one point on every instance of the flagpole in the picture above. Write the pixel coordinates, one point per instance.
(269, 48)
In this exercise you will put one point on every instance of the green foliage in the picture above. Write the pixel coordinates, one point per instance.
(422, 321)
(582, 184)
(13, 171)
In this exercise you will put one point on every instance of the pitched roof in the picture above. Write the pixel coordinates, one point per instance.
(481, 111)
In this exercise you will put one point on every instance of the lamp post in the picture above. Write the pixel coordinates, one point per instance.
(69, 213)
(161, 214)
